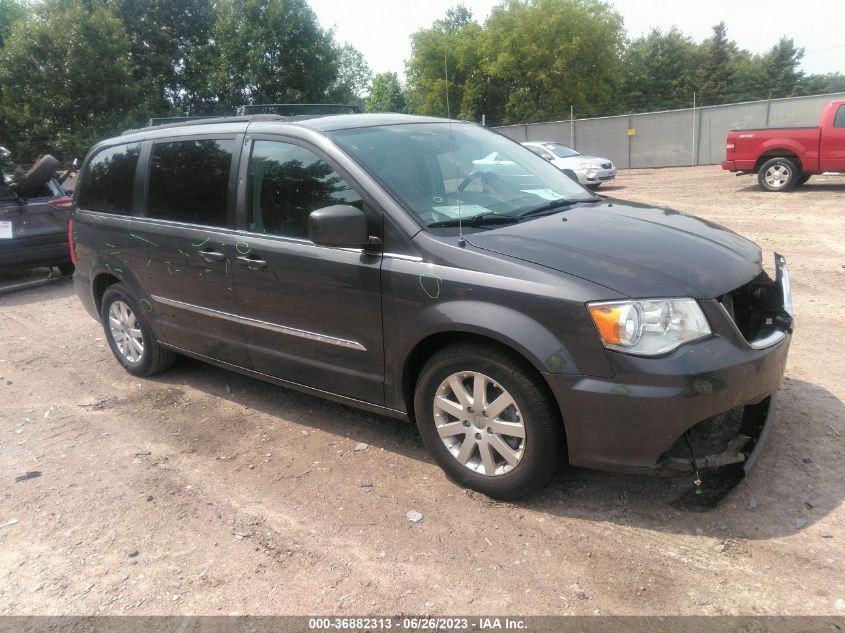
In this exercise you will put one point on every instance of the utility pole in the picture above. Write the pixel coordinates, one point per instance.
(572, 126)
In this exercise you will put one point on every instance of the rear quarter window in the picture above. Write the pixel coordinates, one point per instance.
(839, 119)
(109, 178)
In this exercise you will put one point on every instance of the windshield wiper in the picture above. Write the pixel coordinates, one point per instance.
(476, 220)
(555, 205)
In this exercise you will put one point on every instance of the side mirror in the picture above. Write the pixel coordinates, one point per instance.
(339, 225)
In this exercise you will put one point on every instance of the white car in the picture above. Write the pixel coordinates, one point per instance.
(591, 171)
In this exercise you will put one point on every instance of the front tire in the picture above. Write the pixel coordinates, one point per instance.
(488, 421)
(129, 334)
(804, 178)
(778, 174)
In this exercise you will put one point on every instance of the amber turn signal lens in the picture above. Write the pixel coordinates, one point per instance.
(607, 320)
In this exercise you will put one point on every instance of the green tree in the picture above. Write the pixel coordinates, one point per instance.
(658, 71)
(163, 35)
(10, 12)
(549, 54)
(781, 68)
(820, 84)
(271, 51)
(386, 94)
(715, 71)
(448, 51)
(66, 78)
(353, 76)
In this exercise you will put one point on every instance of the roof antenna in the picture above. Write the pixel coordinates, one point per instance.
(461, 241)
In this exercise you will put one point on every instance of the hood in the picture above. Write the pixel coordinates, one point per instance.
(574, 162)
(637, 250)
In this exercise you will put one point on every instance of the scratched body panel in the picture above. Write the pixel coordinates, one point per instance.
(167, 259)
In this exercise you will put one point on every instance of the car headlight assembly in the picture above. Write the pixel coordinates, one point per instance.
(648, 327)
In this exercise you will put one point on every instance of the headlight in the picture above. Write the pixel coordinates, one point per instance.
(648, 327)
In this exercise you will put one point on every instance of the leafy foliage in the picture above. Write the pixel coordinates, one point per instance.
(72, 71)
(66, 76)
(386, 94)
(529, 61)
(659, 71)
(353, 77)
(272, 51)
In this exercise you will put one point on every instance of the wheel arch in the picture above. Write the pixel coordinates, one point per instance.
(778, 152)
(99, 284)
(434, 342)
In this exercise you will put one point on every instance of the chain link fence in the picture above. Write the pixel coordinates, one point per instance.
(675, 138)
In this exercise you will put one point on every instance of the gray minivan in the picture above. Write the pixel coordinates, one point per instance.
(519, 319)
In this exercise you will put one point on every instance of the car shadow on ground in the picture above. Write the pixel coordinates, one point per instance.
(780, 496)
(605, 189)
(836, 185)
(33, 286)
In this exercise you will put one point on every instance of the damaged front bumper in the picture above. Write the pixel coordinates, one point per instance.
(738, 443)
(644, 418)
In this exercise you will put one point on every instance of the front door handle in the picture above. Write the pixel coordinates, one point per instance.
(212, 256)
(252, 262)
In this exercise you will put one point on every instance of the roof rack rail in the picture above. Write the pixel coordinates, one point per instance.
(165, 120)
(296, 109)
(203, 120)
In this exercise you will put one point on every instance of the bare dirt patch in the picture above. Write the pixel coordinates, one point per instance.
(240, 497)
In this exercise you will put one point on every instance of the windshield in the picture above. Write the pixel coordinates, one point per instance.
(561, 151)
(467, 172)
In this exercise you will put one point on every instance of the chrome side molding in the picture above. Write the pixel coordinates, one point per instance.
(265, 325)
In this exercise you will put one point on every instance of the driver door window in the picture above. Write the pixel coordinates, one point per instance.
(287, 182)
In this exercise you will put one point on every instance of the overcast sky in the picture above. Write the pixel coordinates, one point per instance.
(380, 29)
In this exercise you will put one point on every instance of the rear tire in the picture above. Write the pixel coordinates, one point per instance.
(505, 454)
(129, 334)
(778, 174)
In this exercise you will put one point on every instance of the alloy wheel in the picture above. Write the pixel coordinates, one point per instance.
(480, 423)
(126, 331)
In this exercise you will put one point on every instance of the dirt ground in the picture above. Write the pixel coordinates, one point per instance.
(241, 497)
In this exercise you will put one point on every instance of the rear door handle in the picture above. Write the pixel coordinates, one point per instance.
(212, 256)
(252, 262)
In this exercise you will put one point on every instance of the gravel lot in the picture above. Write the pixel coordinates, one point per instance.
(241, 497)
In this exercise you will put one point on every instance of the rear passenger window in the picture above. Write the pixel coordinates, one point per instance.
(286, 183)
(839, 121)
(108, 180)
(189, 181)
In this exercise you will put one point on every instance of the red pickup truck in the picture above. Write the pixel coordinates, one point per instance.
(784, 158)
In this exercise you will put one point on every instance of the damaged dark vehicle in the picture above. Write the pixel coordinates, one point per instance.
(520, 320)
(34, 214)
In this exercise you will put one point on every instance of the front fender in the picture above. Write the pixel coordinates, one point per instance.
(527, 337)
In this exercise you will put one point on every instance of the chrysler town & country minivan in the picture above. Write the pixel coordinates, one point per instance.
(519, 319)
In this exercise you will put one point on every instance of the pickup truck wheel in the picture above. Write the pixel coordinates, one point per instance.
(130, 336)
(804, 178)
(487, 421)
(778, 174)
